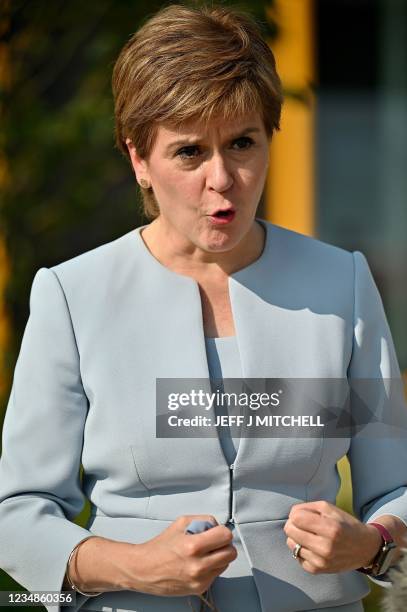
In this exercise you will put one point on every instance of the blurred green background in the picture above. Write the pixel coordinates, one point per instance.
(65, 189)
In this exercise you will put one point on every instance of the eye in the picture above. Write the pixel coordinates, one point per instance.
(191, 152)
(246, 140)
(183, 153)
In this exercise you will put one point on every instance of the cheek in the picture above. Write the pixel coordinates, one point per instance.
(255, 173)
(186, 192)
(177, 185)
(165, 180)
(179, 198)
(252, 182)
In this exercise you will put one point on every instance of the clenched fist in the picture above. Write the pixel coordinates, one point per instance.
(332, 540)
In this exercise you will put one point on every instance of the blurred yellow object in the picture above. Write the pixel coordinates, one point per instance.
(344, 497)
(290, 190)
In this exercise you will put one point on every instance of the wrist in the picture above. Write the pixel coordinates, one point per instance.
(96, 565)
(130, 565)
(386, 554)
(77, 574)
(374, 542)
(117, 557)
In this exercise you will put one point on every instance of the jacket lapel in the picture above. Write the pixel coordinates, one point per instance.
(263, 327)
(181, 352)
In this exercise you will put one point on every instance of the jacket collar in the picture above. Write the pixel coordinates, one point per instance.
(170, 289)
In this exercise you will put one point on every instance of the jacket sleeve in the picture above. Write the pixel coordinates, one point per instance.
(40, 491)
(378, 462)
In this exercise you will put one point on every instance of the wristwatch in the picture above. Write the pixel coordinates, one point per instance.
(384, 557)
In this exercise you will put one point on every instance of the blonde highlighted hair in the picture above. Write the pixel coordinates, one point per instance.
(192, 64)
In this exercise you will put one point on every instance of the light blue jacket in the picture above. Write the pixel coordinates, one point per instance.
(102, 327)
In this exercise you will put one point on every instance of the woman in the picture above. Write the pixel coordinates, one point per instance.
(205, 289)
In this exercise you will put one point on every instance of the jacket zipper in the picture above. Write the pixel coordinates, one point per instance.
(231, 520)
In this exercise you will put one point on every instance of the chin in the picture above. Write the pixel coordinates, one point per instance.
(221, 246)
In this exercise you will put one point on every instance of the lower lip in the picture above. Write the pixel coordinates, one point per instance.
(222, 220)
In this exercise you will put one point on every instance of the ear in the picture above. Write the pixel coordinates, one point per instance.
(140, 166)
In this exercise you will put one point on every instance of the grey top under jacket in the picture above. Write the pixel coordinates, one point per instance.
(103, 326)
(223, 363)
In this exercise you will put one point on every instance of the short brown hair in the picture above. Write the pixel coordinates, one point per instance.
(192, 64)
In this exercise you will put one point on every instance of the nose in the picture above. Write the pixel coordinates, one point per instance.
(219, 176)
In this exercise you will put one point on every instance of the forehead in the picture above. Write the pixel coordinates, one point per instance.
(197, 130)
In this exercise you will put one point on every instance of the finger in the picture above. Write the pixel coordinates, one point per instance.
(318, 524)
(291, 544)
(216, 538)
(210, 576)
(309, 561)
(183, 521)
(303, 553)
(320, 506)
(314, 543)
(306, 520)
(311, 568)
(220, 558)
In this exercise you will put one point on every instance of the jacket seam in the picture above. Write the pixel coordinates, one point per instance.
(321, 448)
(148, 518)
(67, 307)
(72, 328)
(142, 481)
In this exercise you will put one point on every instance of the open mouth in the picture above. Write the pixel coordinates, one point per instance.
(222, 217)
(224, 214)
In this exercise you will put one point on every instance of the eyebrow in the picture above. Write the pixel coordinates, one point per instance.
(188, 142)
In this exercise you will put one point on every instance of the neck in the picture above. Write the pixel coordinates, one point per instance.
(196, 262)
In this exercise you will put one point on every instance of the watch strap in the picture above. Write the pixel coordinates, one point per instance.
(383, 532)
(378, 561)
